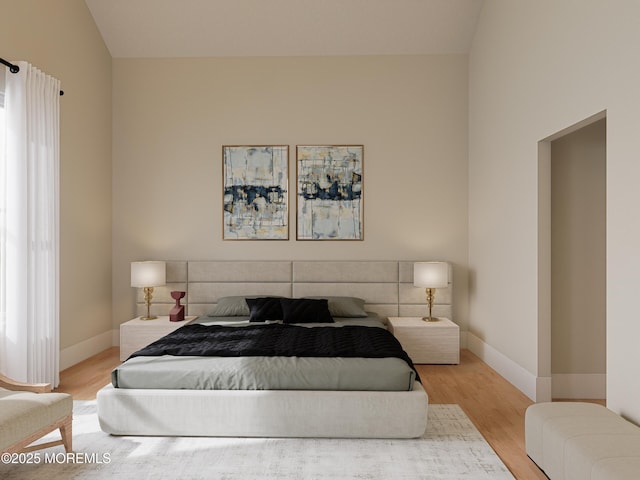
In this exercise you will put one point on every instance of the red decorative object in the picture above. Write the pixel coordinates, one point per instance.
(177, 312)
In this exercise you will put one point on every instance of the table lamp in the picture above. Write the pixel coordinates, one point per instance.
(148, 275)
(430, 275)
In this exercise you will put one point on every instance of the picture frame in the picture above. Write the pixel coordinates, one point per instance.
(329, 192)
(255, 192)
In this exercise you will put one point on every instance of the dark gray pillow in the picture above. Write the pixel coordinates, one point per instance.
(305, 310)
(264, 308)
(345, 306)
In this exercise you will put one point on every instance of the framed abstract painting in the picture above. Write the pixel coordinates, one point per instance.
(329, 192)
(255, 189)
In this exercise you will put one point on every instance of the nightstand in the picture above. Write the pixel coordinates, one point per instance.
(136, 334)
(427, 342)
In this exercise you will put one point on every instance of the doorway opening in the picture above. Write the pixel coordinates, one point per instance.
(572, 321)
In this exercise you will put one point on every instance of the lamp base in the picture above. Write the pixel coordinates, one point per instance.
(430, 292)
(432, 319)
(148, 295)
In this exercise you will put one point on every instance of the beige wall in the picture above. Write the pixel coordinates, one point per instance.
(535, 69)
(60, 38)
(172, 116)
(578, 251)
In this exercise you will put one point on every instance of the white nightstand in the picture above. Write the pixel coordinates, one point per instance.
(136, 334)
(427, 342)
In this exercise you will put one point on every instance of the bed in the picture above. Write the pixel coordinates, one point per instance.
(249, 408)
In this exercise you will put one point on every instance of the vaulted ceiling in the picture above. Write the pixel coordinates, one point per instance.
(221, 28)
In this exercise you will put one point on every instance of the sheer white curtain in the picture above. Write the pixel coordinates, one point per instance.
(29, 213)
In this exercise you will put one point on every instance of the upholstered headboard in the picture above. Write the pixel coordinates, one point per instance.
(386, 286)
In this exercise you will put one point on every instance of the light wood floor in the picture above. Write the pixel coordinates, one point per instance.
(494, 405)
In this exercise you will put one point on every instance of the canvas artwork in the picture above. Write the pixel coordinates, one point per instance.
(256, 180)
(329, 191)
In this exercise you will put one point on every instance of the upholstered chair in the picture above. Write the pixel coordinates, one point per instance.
(30, 411)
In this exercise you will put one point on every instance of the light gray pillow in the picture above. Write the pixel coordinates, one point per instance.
(345, 306)
(231, 307)
(234, 306)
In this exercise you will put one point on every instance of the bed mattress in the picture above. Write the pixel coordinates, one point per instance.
(268, 373)
(264, 373)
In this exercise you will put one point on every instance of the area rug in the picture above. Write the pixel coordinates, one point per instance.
(452, 448)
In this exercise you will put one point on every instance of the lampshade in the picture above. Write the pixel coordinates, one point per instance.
(431, 274)
(148, 274)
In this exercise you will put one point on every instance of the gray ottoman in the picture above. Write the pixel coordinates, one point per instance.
(573, 440)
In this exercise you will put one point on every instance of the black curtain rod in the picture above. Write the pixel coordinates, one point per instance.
(15, 69)
(12, 68)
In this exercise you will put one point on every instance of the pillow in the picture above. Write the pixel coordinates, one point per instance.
(305, 310)
(232, 306)
(345, 306)
(264, 308)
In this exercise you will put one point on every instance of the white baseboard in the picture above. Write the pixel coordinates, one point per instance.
(521, 378)
(463, 340)
(539, 389)
(83, 350)
(579, 385)
(543, 389)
